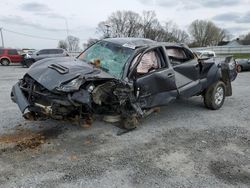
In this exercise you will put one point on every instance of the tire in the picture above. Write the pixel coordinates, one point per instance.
(28, 63)
(129, 123)
(239, 68)
(215, 96)
(5, 62)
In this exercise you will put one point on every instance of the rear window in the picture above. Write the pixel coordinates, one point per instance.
(59, 51)
(1, 51)
(176, 53)
(43, 52)
(12, 52)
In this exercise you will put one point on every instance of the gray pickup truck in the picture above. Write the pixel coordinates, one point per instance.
(124, 76)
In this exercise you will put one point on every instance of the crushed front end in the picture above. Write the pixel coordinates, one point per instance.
(104, 97)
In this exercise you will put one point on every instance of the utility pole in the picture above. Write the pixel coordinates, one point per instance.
(67, 29)
(1, 31)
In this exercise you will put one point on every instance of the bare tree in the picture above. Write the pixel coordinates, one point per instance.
(181, 36)
(63, 44)
(121, 24)
(90, 42)
(104, 29)
(174, 34)
(73, 43)
(150, 26)
(206, 33)
(247, 37)
(131, 24)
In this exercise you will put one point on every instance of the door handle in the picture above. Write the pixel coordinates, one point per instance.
(170, 75)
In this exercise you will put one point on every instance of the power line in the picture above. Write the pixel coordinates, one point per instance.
(35, 36)
(28, 35)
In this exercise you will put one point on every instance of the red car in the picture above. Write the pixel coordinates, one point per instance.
(8, 56)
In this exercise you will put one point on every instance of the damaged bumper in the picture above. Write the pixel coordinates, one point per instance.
(31, 96)
(18, 97)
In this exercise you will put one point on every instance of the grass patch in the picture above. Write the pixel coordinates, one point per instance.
(239, 56)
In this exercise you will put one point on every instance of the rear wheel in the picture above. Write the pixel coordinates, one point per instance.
(5, 62)
(215, 95)
(239, 68)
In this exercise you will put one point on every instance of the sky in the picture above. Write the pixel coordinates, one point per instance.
(48, 19)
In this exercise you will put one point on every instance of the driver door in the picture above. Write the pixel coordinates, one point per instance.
(155, 86)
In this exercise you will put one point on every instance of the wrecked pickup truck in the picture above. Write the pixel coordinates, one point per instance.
(128, 77)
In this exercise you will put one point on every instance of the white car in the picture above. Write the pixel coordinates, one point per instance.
(204, 54)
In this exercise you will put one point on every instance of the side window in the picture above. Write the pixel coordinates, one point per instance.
(59, 51)
(149, 62)
(1, 51)
(53, 51)
(177, 56)
(42, 52)
(12, 52)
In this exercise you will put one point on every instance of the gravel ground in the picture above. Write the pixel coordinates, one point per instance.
(183, 145)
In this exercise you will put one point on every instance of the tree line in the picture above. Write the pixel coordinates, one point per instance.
(199, 33)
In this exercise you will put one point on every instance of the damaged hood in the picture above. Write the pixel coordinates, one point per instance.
(51, 73)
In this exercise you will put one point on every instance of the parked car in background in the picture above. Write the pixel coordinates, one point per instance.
(8, 56)
(206, 54)
(29, 59)
(243, 64)
(28, 51)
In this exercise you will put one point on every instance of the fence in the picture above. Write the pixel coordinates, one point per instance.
(226, 49)
(74, 54)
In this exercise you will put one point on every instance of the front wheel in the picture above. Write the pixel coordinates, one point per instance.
(129, 123)
(215, 95)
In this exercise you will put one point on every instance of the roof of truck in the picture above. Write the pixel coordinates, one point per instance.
(139, 42)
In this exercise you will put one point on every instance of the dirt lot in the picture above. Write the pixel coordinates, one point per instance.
(184, 145)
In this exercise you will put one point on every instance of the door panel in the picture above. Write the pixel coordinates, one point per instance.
(248, 64)
(14, 56)
(156, 89)
(187, 78)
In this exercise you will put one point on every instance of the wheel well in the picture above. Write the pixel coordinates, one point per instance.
(6, 59)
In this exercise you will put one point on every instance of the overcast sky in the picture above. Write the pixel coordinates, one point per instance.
(46, 18)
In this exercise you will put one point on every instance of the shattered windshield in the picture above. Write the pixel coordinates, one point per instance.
(112, 57)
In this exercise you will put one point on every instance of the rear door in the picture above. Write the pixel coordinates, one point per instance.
(14, 56)
(186, 69)
(155, 86)
(53, 53)
(248, 64)
(42, 54)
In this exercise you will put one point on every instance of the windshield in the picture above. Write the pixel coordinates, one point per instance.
(112, 56)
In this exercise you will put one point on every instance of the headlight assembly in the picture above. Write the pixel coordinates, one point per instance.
(70, 86)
